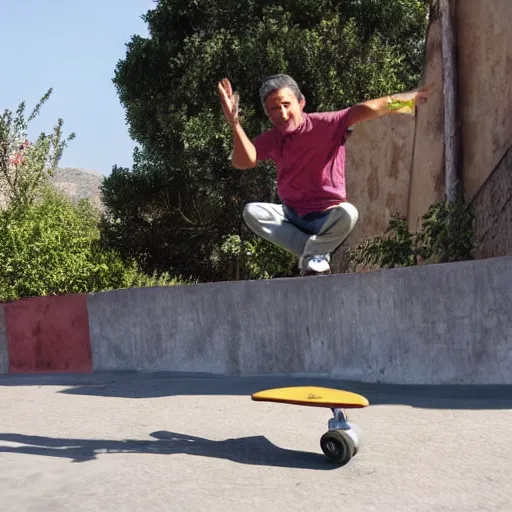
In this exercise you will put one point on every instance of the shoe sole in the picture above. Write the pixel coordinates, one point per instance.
(313, 273)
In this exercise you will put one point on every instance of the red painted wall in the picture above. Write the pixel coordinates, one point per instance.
(48, 334)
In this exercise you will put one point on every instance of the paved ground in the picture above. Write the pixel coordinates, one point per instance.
(161, 442)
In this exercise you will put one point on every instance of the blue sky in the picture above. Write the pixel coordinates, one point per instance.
(72, 46)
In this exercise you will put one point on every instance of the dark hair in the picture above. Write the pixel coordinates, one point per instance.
(275, 82)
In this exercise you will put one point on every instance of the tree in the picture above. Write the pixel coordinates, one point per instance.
(182, 200)
(24, 166)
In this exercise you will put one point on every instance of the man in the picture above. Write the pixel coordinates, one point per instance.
(309, 153)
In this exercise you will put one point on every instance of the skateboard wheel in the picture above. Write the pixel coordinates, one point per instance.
(338, 446)
(355, 438)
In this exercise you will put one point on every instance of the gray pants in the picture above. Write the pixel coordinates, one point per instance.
(302, 237)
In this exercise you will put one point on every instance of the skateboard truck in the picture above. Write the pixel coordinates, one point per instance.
(340, 443)
(339, 422)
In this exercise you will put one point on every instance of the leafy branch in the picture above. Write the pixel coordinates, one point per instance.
(446, 235)
(24, 166)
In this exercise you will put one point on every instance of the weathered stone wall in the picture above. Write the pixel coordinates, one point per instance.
(427, 173)
(379, 160)
(493, 212)
(395, 164)
(485, 103)
(485, 87)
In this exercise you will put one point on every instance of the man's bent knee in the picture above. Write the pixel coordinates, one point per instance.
(254, 214)
(342, 221)
(248, 216)
(257, 211)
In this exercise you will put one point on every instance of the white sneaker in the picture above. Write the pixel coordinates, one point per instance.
(316, 265)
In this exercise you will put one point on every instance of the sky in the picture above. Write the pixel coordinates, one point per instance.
(72, 46)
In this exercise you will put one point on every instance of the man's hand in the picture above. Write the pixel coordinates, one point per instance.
(228, 101)
(401, 103)
(407, 101)
(244, 152)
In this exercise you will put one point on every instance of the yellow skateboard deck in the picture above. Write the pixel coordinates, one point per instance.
(312, 396)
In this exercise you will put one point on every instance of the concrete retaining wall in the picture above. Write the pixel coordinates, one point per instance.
(48, 334)
(449, 323)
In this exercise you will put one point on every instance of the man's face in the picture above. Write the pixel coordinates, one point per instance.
(284, 110)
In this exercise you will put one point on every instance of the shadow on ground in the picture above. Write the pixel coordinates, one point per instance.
(150, 385)
(256, 450)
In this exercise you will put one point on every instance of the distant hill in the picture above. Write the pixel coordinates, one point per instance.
(79, 184)
(75, 184)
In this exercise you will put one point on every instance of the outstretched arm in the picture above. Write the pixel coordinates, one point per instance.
(396, 103)
(244, 152)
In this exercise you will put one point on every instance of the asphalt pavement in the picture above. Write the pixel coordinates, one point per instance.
(167, 442)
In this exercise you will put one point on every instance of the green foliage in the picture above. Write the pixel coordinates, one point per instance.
(52, 247)
(134, 278)
(182, 198)
(446, 235)
(253, 259)
(25, 167)
(395, 248)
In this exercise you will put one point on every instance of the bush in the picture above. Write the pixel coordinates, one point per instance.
(52, 247)
(446, 235)
(254, 258)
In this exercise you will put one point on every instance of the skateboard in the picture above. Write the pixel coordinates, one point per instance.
(340, 443)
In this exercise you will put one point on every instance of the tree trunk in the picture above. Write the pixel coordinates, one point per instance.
(451, 136)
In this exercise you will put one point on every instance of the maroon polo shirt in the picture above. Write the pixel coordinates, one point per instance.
(310, 161)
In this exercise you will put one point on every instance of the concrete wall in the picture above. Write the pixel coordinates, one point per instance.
(447, 323)
(48, 334)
